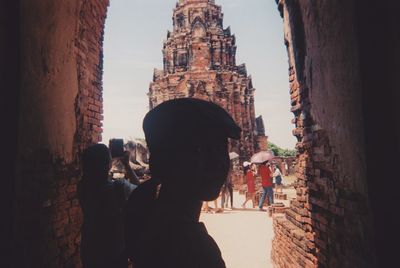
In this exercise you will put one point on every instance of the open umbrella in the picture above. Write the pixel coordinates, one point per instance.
(262, 156)
(233, 155)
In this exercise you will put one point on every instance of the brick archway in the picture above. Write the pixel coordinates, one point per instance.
(60, 107)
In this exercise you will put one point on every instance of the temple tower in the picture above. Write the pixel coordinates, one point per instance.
(199, 61)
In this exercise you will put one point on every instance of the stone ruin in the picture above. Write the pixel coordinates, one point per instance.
(286, 164)
(343, 69)
(199, 58)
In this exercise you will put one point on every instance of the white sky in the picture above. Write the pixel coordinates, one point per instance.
(134, 33)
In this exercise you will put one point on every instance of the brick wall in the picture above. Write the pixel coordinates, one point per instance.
(61, 114)
(89, 51)
(328, 223)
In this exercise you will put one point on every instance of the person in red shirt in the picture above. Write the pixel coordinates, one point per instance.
(266, 182)
(251, 187)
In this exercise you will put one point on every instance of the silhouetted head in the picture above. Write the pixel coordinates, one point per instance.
(96, 163)
(188, 143)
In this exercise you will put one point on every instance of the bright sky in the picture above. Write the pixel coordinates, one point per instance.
(134, 34)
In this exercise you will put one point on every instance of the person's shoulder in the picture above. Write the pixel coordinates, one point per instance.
(120, 182)
(208, 254)
(117, 186)
(192, 243)
(196, 233)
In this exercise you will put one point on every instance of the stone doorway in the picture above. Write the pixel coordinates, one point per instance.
(329, 48)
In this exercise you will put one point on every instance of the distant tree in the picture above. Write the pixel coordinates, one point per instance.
(274, 148)
(287, 152)
(278, 151)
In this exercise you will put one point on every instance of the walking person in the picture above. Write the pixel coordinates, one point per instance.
(278, 178)
(227, 192)
(266, 182)
(206, 208)
(251, 187)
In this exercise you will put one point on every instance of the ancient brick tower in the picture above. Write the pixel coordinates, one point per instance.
(199, 61)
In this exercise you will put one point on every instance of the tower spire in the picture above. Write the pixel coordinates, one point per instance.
(195, 1)
(199, 58)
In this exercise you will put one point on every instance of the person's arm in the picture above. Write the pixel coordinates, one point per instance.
(271, 176)
(128, 188)
(130, 174)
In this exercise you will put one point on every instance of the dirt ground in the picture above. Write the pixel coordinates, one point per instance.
(243, 235)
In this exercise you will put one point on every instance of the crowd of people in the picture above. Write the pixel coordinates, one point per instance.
(271, 178)
(155, 222)
(267, 172)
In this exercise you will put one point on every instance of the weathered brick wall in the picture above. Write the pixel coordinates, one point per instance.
(61, 107)
(89, 49)
(328, 224)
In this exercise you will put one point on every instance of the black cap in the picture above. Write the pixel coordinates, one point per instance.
(186, 119)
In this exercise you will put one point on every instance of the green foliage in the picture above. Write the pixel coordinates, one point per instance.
(278, 151)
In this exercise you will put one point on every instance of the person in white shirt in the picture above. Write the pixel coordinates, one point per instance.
(278, 178)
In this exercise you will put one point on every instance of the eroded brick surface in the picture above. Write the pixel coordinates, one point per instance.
(327, 223)
(200, 61)
(67, 102)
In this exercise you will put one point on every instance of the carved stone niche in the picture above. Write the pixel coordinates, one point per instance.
(198, 29)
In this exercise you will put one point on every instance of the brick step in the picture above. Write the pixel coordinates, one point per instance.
(277, 208)
(280, 196)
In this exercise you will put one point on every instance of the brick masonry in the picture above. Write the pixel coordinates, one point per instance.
(49, 217)
(89, 53)
(200, 62)
(326, 225)
(280, 196)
